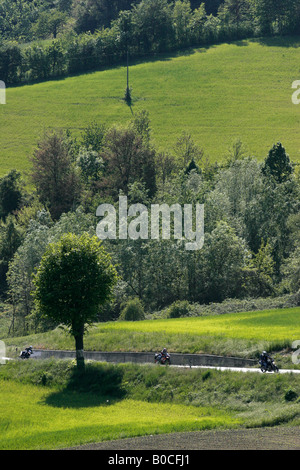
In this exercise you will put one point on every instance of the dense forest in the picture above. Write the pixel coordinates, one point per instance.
(252, 218)
(44, 39)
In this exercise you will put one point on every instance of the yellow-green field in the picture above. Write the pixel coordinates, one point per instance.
(268, 325)
(217, 94)
(28, 421)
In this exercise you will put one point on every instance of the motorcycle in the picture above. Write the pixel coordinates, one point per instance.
(270, 366)
(163, 359)
(26, 353)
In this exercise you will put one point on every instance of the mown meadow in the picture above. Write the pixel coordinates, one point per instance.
(217, 94)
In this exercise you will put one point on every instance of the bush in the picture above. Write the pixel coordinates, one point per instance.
(180, 308)
(133, 311)
(290, 395)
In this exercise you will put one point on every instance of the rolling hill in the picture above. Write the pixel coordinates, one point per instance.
(217, 94)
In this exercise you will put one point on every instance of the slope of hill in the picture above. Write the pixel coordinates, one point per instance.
(240, 90)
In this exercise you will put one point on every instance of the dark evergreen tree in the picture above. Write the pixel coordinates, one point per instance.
(278, 164)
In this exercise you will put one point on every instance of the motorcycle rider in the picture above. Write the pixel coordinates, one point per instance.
(164, 352)
(27, 352)
(264, 358)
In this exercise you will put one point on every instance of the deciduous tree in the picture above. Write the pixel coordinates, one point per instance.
(74, 279)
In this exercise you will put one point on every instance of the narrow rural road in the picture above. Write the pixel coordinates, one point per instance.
(244, 369)
(70, 354)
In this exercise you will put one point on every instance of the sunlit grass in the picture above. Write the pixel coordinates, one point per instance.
(28, 422)
(268, 325)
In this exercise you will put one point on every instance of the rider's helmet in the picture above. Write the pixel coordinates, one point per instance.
(164, 350)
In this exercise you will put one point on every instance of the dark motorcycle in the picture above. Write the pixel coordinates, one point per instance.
(26, 353)
(163, 359)
(268, 366)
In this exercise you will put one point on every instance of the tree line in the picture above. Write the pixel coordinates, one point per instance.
(252, 218)
(42, 40)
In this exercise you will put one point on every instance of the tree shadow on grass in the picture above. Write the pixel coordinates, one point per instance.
(98, 385)
(279, 41)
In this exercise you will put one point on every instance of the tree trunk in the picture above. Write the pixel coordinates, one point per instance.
(79, 350)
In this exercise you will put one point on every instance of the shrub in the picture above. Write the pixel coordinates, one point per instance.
(180, 308)
(290, 395)
(133, 310)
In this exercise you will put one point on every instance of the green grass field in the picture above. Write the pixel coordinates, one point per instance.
(217, 94)
(29, 422)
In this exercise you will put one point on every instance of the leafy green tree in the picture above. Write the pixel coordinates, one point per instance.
(90, 164)
(291, 271)
(238, 11)
(96, 14)
(37, 64)
(11, 193)
(182, 15)
(186, 150)
(49, 23)
(93, 136)
(75, 278)
(153, 25)
(222, 259)
(22, 265)
(11, 236)
(277, 17)
(127, 159)
(56, 57)
(197, 23)
(133, 310)
(141, 123)
(259, 273)
(179, 308)
(10, 62)
(16, 19)
(54, 174)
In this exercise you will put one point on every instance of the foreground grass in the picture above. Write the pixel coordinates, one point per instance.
(216, 94)
(46, 404)
(30, 423)
(39, 417)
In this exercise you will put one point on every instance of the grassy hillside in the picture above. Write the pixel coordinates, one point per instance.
(239, 334)
(217, 94)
